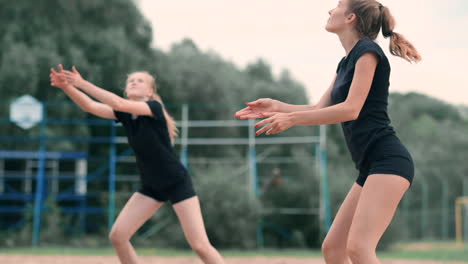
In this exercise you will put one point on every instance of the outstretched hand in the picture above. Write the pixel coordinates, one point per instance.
(58, 79)
(275, 123)
(73, 77)
(255, 109)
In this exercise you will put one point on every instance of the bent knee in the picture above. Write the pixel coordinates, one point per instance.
(331, 250)
(117, 236)
(357, 250)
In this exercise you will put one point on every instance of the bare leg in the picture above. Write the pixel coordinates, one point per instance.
(334, 245)
(191, 219)
(380, 197)
(134, 214)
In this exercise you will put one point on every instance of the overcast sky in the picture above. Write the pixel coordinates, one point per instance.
(291, 35)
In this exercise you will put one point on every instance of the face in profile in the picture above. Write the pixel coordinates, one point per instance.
(339, 18)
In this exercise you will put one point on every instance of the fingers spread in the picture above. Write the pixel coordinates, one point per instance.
(263, 122)
(264, 129)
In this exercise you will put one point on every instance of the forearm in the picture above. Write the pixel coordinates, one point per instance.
(289, 108)
(106, 97)
(78, 97)
(329, 115)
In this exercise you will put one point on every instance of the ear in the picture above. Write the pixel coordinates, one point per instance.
(351, 18)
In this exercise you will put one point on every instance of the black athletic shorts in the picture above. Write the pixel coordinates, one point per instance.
(387, 156)
(175, 193)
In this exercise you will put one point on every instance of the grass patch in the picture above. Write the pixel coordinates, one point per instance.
(435, 253)
(158, 252)
(431, 250)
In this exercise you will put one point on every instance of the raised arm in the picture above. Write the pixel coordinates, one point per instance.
(114, 101)
(80, 98)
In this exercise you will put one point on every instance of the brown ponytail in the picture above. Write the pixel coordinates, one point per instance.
(399, 45)
(373, 16)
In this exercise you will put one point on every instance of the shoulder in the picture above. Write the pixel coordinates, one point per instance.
(121, 116)
(154, 103)
(157, 109)
(340, 64)
(369, 44)
(365, 46)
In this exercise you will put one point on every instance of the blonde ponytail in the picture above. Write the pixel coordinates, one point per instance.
(171, 123)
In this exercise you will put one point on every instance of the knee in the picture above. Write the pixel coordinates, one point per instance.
(327, 248)
(332, 251)
(358, 251)
(117, 237)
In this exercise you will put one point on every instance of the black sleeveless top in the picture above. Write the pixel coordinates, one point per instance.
(373, 122)
(149, 138)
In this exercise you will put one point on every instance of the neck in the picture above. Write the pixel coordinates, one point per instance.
(156, 97)
(348, 40)
(140, 99)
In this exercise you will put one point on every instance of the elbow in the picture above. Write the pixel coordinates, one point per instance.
(87, 108)
(351, 110)
(352, 113)
(117, 104)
